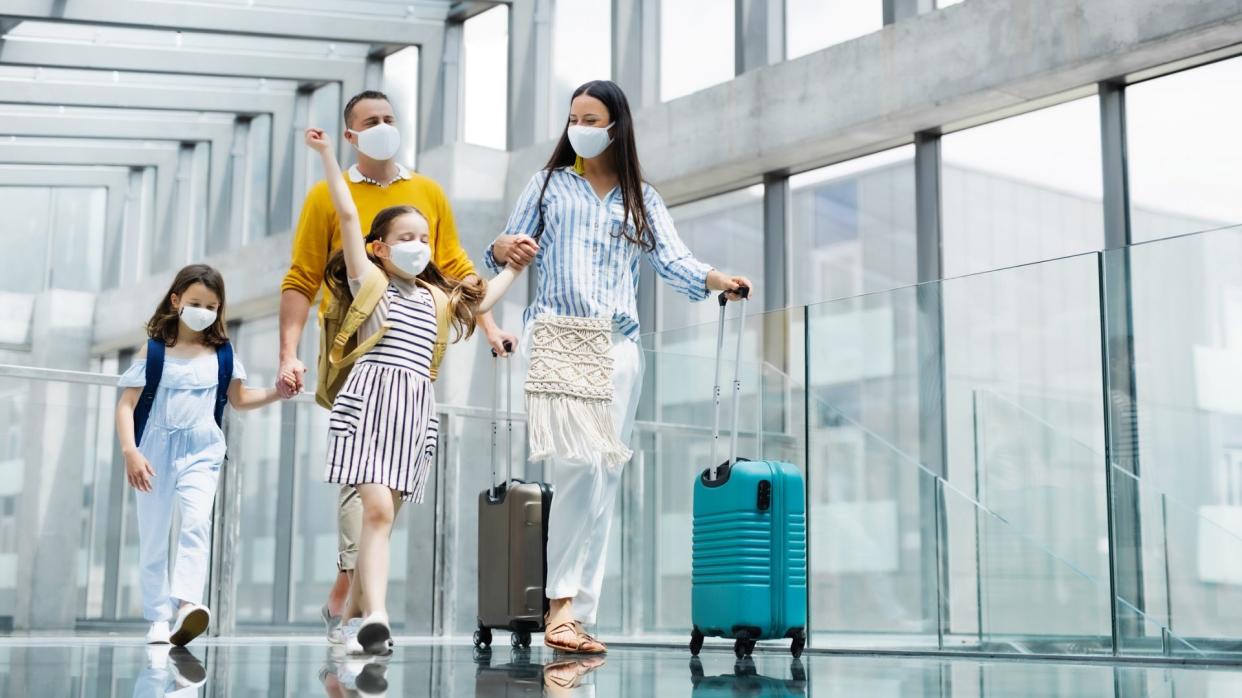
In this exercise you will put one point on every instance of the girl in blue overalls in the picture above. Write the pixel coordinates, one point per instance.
(168, 423)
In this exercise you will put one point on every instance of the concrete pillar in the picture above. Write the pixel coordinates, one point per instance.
(636, 50)
(759, 34)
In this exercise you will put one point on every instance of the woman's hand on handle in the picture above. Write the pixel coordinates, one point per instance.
(730, 285)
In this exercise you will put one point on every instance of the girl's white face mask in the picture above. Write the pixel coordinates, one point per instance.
(197, 319)
(410, 257)
(589, 141)
(380, 142)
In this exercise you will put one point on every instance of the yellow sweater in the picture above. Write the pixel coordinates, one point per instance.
(318, 234)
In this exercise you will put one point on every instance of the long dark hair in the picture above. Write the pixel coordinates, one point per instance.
(624, 156)
(163, 325)
(463, 296)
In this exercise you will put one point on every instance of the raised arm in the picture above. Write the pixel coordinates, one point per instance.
(352, 245)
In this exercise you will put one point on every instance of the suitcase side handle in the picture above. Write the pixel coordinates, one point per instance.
(744, 292)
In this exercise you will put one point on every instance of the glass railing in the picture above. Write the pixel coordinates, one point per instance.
(952, 435)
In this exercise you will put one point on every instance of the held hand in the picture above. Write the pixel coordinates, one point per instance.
(499, 339)
(138, 471)
(317, 140)
(518, 250)
(291, 375)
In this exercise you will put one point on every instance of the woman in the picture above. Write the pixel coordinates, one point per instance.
(585, 221)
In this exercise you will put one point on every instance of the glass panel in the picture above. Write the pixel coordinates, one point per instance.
(255, 451)
(485, 39)
(696, 45)
(874, 575)
(1187, 422)
(99, 478)
(23, 267)
(401, 86)
(581, 52)
(853, 227)
(1024, 189)
(811, 25)
(1032, 336)
(1183, 141)
(725, 231)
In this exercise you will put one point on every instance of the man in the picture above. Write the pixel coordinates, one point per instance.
(375, 183)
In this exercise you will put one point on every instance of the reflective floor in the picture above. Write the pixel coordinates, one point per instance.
(99, 666)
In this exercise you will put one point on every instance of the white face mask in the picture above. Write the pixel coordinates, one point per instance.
(410, 257)
(589, 141)
(380, 142)
(197, 319)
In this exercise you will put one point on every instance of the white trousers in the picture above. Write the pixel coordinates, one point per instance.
(586, 495)
(191, 485)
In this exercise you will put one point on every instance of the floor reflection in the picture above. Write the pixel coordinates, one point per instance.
(263, 667)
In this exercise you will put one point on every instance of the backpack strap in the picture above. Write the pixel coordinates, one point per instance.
(154, 370)
(441, 301)
(374, 285)
(224, 357)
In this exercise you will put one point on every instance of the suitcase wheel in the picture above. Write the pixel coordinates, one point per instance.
(743, 647)
(798, 644)
(520, 640)
(696, 642)
(483, 638)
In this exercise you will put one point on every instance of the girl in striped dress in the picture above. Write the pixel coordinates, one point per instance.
(382, 430)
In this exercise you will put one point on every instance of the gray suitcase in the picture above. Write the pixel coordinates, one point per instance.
(513, 540)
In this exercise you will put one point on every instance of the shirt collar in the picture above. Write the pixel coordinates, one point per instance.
(356, 176)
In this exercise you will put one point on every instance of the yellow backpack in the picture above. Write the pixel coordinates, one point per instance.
(340, 347)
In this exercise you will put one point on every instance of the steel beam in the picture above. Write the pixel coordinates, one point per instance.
(410, 22)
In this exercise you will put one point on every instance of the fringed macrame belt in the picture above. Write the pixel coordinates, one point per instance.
(569, 392)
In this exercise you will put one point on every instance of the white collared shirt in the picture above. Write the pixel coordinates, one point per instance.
(356, 176)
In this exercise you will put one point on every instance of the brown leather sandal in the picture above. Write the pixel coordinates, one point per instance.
(581, 643)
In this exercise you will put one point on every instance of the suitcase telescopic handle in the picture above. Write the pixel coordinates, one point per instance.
(508, 414)
(744, 292)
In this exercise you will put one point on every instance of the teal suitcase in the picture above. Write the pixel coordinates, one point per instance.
(749, 563)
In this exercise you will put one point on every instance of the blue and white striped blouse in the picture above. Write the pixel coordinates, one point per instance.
(585, 268)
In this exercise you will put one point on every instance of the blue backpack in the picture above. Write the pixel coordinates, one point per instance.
(155, 369)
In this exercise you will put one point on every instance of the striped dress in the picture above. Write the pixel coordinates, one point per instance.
(383, 427)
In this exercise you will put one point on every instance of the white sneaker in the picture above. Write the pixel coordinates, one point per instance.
(333, 625)
(375, 635)
(192, 620)
(158, 633)
(349, 636)
(187, 670)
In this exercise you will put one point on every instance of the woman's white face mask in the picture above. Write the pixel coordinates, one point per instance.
(589, 141)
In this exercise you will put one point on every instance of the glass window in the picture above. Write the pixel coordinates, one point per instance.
(27, 210)
(259, 162)
(724, 231)
(77, 232)
(696, 45)
(946, 3)
(401, 86)
(811, 25)
(325, 112)
(1184, 148)
(581, 52)
(485, 39)
(1023, 189)
(852, 227)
